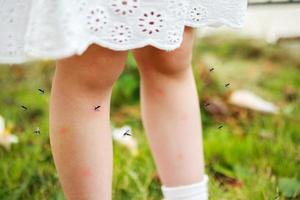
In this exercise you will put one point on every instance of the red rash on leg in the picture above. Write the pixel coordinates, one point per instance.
(179, 156)
(63, 131)
(160, 92)
(85, 172)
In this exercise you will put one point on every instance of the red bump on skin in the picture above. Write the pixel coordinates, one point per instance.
(179, 156)
(86, 172)
(160, 92)
(63, 131)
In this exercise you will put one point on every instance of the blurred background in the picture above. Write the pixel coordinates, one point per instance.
(248, 83)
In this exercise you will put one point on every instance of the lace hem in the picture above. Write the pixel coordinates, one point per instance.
(55, 30)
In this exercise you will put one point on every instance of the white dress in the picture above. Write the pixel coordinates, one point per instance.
(54, 29)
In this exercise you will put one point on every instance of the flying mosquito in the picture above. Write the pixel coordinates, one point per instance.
(42, 91)
(206, 104)
(277, 197)
(126, 133)
(211, 69)
(220, 127)
(37, 130)
(25, 108)
(227, 84)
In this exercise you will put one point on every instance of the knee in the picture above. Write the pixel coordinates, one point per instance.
(96, 69)
(166, 63)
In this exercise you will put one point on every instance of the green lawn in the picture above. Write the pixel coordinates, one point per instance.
(254, 156)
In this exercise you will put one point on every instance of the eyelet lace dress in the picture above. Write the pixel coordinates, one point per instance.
(54, 29)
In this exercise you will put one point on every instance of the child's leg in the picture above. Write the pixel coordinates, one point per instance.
(170, 112)
(80, 136)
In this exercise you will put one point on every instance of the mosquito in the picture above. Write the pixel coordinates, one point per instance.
(206, 104)
(42, 91)
(37, 130)
(25, 108)
(227, 84)
(126, 133)
(96, 108)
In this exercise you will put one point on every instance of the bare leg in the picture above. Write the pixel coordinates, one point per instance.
(170, 112)
(79, 135)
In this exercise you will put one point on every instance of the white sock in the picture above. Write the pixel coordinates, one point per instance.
(196, 191)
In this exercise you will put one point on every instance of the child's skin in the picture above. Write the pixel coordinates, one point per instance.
(81, 137)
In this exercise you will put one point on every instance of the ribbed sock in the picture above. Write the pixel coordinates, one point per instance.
(196, 191)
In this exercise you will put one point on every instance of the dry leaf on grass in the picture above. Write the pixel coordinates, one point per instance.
(247, 99)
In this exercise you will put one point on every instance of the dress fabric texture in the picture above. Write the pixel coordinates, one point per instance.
(54, 29)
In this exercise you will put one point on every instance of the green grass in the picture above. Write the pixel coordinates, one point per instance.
(254, 156)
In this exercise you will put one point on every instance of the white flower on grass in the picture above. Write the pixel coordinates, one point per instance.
(6, 138)
(124, 137)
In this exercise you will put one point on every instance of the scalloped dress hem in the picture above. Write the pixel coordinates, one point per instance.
(55, 30)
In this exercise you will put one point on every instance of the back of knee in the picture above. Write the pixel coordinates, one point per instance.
(96, 82)
(93, 71)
